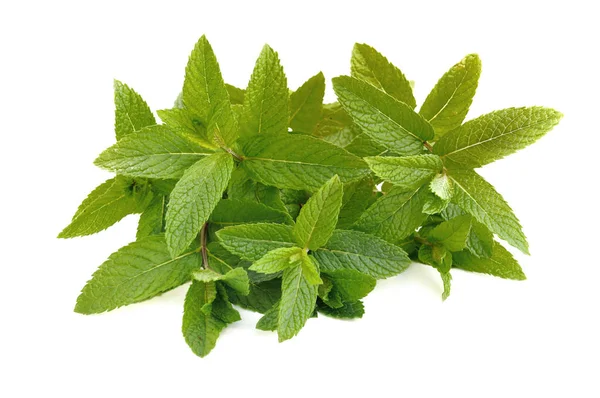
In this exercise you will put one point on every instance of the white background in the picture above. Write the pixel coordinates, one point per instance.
(491, 338)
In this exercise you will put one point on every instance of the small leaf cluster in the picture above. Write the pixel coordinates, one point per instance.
(275, 202)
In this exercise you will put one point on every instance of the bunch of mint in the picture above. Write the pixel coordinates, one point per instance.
(275, 202)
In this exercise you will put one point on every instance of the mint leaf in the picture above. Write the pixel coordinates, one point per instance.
(182, 121)
(310, 269)
(358, 195)
(363, 145)
(278, 260)
(388, 121)
(237, 278)
(441, 186)
(299, 161)
(494, 135)
(232, 212)
(350, 284)
(480, 241)
(318, 217)
(346, 311)
(154, 152)
(266, 107)
(107, 204)
(152, 220)
(134, 273)
(447, 104)
(262, 296)
(298, 298)
(335, 125)
(453, 233)
(236, 95)
(131, 111)
(501, 263)
(361, 252)
(395, 215)
(205, 94)
(306, 104)
(478, 198)
(406, 172)
(369, 65)
(268, 322)
(194, 198)
(242, 187)
(199, 329)
(251, 242)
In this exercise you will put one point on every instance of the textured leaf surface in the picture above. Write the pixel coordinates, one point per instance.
(278, 260)
(306, 104)
(298, 298)
(236, 278)
(319, 216)
(453, 233)
(262, 296)
(358, 195)
(406, 172)
(448, 103)
(299, 161)
(395, 215)
(480, 241)
(152, 220)
(350, 284)
(155, 152)
(268, 322)
(106, 205)
(478, 198)
(135, 272)
(131, 111)
(494, 135)
(253, 241)
(501, 263)
(182, 121)
(200, 330)
(361, 252)
(388, 121)
(232, 212)
(369, 65)
(347, 311)
(242, 187)
(441, 186)
(194, 198)
(266, 107)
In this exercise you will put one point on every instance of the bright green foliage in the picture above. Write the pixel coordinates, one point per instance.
(131, 111)
(266, 102)
(388, 121)
(108, 204)
(193, 199)
(491, 137)
(274, 202)
(405, 172)
(306, 104)
(299, 161)
(448, 103)
(136, 272)
(154, 152)
(369, 65)
(318, 217)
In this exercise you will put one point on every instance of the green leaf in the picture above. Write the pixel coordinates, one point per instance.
(406, 172)
(182, 121)
(205, 94)
(236, 95)
(335, 125)
(446, 280)
(318, 217)
(395, 215)
(478, 198)
(237, 278)
(199, 329)
(347, 311)
(152, 220)
(131, 111)
(358, 195)
(108, 204)
(369, 65)
(494, 135)
(350, 284)
(253, 241)
(278, 260)
(447, 104)
(361, 252)
(154, 152)
(262, 296)
(194, 198)
(388, 121)
(453, 233)
(222, 308)
(441, 186)
(299, 161)
(362, 145)
(310, 269)
(266, 107)
(437, 256)
(298, 298)
(268, 322)
(434, 204)
(501, 263)
(306, 104)
(232, 212)
(134, 273)
(480, 241)
(242, 187)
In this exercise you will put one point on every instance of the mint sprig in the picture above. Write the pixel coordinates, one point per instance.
(270, 200)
